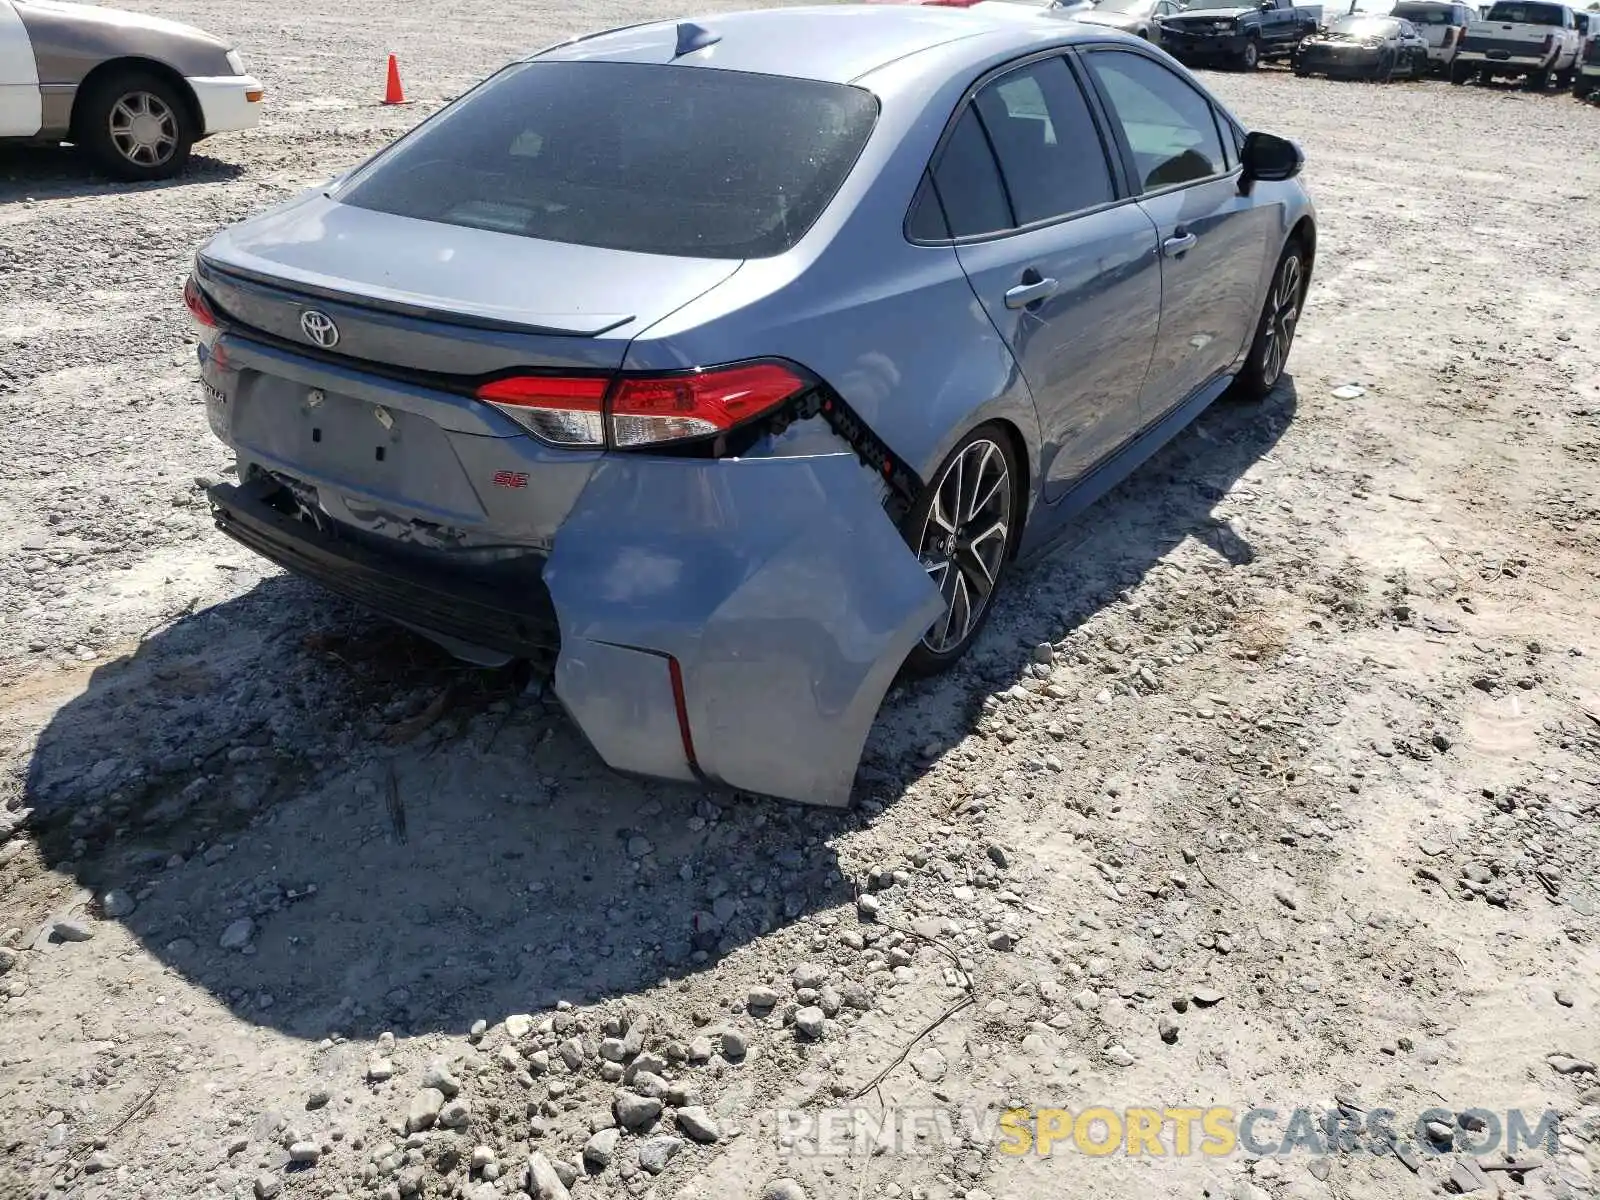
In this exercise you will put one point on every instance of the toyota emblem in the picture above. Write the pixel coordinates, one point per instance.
(319, 329)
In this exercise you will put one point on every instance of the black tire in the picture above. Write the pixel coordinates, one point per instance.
(1564, 80)
(1250, 56)
(1419, 66)
(135, 125)
(1539, 81)
(1581, 88)
(954, 537)
(1263, 368)
(1459, 74)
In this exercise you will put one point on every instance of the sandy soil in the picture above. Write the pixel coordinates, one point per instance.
(1278, 789)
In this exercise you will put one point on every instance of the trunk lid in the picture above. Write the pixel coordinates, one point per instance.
(442, 299)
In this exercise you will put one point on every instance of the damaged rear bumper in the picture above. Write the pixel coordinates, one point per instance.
(736, 621)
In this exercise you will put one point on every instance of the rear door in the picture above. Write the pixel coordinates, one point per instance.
(1183, 157)
(19, 77)
(1064, 266)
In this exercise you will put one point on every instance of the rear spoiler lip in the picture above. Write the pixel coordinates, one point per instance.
(290, 285)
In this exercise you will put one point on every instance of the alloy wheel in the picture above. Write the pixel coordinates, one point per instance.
(144, 129)
(964, 539)
(1283, 313)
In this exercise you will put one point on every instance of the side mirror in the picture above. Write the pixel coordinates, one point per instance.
(1266, 5)
(1268, 157)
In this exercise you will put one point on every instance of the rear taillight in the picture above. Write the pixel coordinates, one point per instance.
(564, 411)
(643, 410)
(649, 411)
(200, 309)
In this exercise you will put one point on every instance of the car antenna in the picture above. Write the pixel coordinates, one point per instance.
(692, 37)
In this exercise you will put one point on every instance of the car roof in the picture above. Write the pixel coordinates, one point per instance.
(837, 43)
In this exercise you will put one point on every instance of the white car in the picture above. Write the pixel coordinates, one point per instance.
(136, 92)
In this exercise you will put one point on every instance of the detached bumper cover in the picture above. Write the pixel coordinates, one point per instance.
(779, 588)
(736, 620)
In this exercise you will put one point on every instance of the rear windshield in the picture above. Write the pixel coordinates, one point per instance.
(1423, 14)
(1529, 14)
(671, 160)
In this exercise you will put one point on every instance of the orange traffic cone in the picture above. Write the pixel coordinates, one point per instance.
(394, 93)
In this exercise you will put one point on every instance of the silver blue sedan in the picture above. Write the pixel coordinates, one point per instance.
(736, 360)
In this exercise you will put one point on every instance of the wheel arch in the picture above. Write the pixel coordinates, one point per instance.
(134, 64)
(1305, 232)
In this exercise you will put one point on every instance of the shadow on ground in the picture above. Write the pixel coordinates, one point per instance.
(61, 172)
(332, 827)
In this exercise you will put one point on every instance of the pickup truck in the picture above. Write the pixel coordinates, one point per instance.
(1224, 31)
(1528, 39)
(1587, 81)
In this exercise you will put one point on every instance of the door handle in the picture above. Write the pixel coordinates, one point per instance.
(1179, 244)
(1025, 294)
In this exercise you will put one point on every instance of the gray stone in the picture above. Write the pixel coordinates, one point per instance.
(71, 929)
(1206, 997)
(701, 1050)
(830, 1001)
(518, 1026)
(268, 1185)
(1564, 998)
(810, 1022)
(424, 1110)
(543, 1181)
(1120, 1056)
(655, 1154)
(1168, 1029)
(100, 1160)
(305, 1153)
(698, 1124)
(783, 1189)
(809, 975)
(1000, 940)
(456, 1114)
(636, 1112)
(868, 906)
(1563, 1064)
(613, 1050)
(734, 1045)
(1088, 1000)
(438, 1076)
(9, 958)
(237, 935)
(930, 1064)
(379, 1069)
(117, 904)
(318, 1098)
(601, 1148)
(572, 1053)
(761, 999)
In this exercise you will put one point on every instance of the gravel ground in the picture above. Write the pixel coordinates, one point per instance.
(1278, 789)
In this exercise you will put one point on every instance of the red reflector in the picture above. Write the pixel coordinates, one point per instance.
(681, 704)
(195, 301)
(645, 411)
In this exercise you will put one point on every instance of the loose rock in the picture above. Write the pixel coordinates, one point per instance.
(424, 1111)
(811, 1022)
(698, 1124)
(656, 1153)
(636, 1112)
(601, 1147)
(237, 935)
(543, 1181)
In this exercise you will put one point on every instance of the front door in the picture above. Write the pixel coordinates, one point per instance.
(1068, 276)
(19, 77)
(1214, 242)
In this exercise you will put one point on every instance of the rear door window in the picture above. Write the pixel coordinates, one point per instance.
(1051, 157)
(659, 159)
